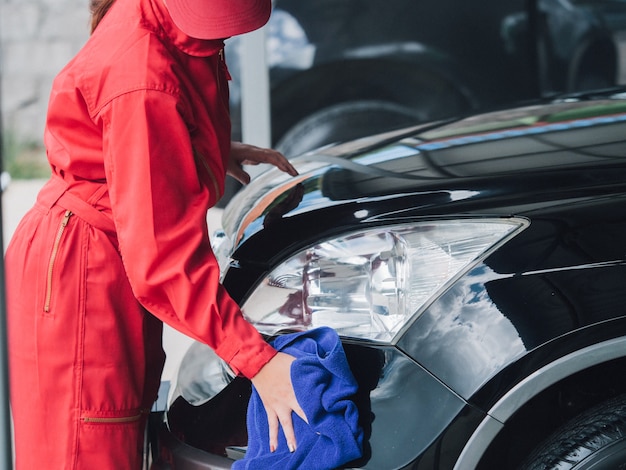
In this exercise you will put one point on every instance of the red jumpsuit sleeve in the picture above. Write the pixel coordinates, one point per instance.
(159, 208)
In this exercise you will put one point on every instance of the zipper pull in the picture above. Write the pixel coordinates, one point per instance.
(66, 218)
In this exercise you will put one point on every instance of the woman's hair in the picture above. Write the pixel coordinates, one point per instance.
(98, 10)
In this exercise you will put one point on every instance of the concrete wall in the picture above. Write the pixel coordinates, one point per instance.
(37, 38)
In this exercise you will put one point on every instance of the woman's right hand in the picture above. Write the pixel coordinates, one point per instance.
(274, 386)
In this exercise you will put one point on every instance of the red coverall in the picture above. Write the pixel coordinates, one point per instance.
(138, 138)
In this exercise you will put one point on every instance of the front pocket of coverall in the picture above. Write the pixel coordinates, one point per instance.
(113, 440)
(97, 419)
(50, 282)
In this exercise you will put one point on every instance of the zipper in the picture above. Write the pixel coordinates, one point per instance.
(113, 419)
(53, 255)
(219, 67)
(224, 66)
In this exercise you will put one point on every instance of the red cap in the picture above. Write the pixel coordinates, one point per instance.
(218, 19)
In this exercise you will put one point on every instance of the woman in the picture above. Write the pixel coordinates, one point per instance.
(138, 140)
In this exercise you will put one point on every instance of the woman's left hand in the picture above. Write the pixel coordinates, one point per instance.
(245, 154)
(275, 388)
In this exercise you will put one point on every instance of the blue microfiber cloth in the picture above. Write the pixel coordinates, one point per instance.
(324, 385)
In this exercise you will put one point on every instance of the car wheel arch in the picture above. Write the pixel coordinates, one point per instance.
(482, 449)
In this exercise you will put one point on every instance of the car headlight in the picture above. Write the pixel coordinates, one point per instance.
(372, 283)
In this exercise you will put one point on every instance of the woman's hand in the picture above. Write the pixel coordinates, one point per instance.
(245, 154)
(273, 384)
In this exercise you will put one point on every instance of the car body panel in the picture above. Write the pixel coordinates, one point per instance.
(390, 387)
(532, 332)
(467, 167)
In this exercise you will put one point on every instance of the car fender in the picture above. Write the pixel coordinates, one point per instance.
(532, 386)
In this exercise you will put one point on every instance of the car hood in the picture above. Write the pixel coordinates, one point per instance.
(501, 163)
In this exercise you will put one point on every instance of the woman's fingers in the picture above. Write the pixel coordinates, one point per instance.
(273, 384)
(290, 436)
(245, 154)
(285, 422)
(272, 421)
(279, 161)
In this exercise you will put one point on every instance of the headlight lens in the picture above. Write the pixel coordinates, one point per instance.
(370, 284)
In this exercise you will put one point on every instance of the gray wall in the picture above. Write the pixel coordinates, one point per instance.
(38, 37)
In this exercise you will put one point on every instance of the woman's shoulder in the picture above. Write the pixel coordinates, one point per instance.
(120, 62)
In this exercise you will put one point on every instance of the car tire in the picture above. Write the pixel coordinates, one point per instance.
(595, 440)
(344, 121)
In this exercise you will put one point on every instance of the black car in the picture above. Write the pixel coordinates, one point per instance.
(475, 270)
(341, 69)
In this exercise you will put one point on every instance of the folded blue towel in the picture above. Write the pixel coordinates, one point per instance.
(324, 385)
